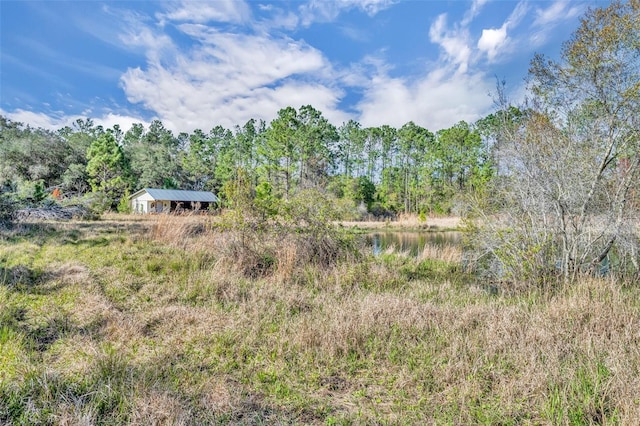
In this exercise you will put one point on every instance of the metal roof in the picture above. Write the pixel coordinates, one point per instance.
(179, 195)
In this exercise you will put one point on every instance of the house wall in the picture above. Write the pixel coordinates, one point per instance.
(142, 203)
(162, 206)
(139, 205)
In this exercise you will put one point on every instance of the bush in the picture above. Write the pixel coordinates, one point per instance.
(7, 208)
(380, 211)
(97, 202)
(124, 206)
(301, 233)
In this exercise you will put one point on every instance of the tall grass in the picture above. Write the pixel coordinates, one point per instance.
(161, 324)
(257, 249)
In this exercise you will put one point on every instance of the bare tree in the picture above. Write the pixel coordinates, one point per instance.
(563, 201)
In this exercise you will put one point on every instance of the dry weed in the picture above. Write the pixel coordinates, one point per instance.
(160, 408)
(175, 325)
(72, 273)
(358, 341)
(345, 325)
(287, 262)
(177, 230)
(446, 253)
(74, 413)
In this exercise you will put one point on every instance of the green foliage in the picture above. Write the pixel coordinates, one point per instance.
(581, 398)
(415, 144)
(280, 153)
(75, 179)
(29, 192)
(7, 207)
(265, 202)
(301, 227)
(309, 207)
(97, 202)
(198, 161)
(399, 170)
(28, 154)
(359, 191)
(316, 138)
(365, 191)
(124, 205)
(227, 161)
(38, 191)
(107, 167)
(151, 157)
(238, 194)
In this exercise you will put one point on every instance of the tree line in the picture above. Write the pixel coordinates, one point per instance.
(378, 170)
(550, 187)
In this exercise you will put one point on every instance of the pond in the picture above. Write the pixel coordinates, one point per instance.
(412, 243)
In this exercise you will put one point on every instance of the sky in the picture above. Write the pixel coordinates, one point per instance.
(199, 64)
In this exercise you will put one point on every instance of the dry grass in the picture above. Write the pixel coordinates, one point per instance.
(162, 328)
(160, 408)
(408, 222)
(254, 249)
(445, 253)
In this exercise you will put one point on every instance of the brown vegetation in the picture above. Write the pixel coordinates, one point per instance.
(163, 327)
(434, 223)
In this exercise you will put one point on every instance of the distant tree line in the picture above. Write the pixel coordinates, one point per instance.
(380, 171)
(550, 187)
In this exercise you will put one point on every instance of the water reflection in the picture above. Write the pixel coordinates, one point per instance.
(411, 242)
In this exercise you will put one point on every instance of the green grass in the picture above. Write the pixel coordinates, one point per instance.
(121, 324)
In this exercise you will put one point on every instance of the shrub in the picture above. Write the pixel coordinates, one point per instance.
(7, 208)
(124, 206)
(300, 234)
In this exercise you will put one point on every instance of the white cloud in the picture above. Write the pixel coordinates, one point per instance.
(34, 119)
(327, 11)
(280, 19)
(124, 121)
(137, 35)
(517, 15)
(58, 121)
(436, 101)
(495, 41)
(549, 18)
(491, 41)
(476, 6)
(558, 11)
(359, 73)
(454, 42)
(355, 33)
(229, 78)
(446, 93)
(207, 76)
(234, 11)
(371, 7)
(144, 37)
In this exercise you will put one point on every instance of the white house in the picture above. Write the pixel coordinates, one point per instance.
(151, 200)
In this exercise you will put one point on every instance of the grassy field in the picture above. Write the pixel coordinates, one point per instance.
(169, 320)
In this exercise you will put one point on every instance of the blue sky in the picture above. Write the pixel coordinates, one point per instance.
(198, 64)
